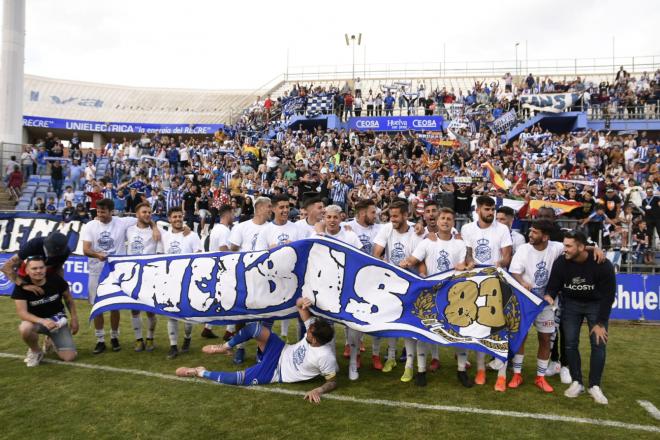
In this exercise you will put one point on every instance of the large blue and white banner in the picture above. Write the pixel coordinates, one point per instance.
(119, 127)
(637, 295)
(553, 103)
(485, 309)
(396, 123)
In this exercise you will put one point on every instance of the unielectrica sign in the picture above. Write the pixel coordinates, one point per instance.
(119, 127)
(396, 123)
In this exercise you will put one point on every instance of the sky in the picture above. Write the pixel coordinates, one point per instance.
(246, 44)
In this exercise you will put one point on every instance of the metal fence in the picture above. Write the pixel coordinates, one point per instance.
(476, 69)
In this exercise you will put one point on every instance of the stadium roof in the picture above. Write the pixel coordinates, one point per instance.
(75, 100)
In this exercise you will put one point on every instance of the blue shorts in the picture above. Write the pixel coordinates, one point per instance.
(263, 372)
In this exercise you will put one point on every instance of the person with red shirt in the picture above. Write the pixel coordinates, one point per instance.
(94, 197)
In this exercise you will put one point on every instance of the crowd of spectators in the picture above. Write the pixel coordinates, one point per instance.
(614, 176)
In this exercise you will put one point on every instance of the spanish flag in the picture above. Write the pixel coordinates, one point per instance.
(495, 177)
(560, 207)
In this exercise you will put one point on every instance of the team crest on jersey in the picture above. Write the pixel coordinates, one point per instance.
(443, 261)
(282, 238)
(398, 253)
(175, 248)
(482, 252)
(541, 275)
(366, 243)
(299, 356)
(137, 245)
(105, 241)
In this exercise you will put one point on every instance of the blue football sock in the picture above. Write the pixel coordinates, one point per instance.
(250, 331)
(226, 377)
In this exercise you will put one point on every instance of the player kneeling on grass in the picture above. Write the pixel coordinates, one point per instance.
(310, 357)
(44, 313)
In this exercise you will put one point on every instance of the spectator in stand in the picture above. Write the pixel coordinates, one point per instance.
(75, 174)
(51, 207)
(39, 206)
(57, 177)
(389, 104)
(27, 162)
(15, 183)
(94, 196)
(68, 212)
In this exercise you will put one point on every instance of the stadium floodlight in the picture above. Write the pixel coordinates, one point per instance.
(352, 40)
(516, 70)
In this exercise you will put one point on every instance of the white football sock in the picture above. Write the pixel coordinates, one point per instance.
(285, 328)
(100, 335)
(461, 360)
(173, 331)
(187, 330)
(502, 371)
(353, 338)
(137, 326)
(152, 326)
(435, 351)
(481, 361)
(375, 346)
(114, 334)
(518, 363)
(421, 356)
(410, 352)
(541, 366)
(391, 349)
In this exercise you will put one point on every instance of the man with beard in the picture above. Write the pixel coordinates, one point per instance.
(531, 266)
(365, 226)
(394, 243)
(244, 237)
(488, 243)
(587, 292)
(140, 241)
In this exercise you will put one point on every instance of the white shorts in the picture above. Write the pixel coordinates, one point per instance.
(545, 321)
(204, 213)
(92, 286)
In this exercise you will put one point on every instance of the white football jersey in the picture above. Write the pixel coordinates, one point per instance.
(397, 246)
(245, 235)
(486, 243)
(440, 255)
(109, 238)
(535, 266)
(177, 243)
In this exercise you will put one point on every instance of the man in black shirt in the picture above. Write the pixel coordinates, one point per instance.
(462, 199)
(44, 313)
(651, 207)
(189, 200)
(587, 291)
(54, 251)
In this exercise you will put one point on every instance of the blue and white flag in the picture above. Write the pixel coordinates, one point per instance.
(484, 309)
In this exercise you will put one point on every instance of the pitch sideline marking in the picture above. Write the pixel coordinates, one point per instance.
(648, 406)
(381, 402)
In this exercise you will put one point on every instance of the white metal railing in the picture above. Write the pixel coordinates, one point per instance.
(489, 68)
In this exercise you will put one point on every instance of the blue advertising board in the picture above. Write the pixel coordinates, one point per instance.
(119, 127)
(396, 123)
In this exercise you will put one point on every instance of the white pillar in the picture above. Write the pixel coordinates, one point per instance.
(11, 76)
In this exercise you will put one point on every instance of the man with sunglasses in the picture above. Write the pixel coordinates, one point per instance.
(53, 250)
